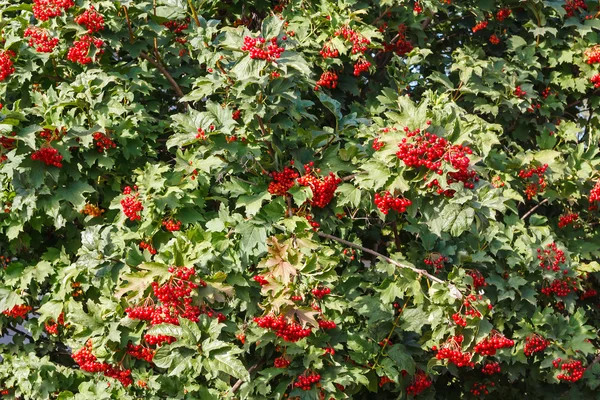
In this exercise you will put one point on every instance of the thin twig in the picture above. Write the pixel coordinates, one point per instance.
(396, 236)
(348, 178)
(528, 213)
(289, 206)
(194, 14)
(164, 71)
(387, 339)
(239, 382)
(18, 331)
(131, 38)
(261, 124)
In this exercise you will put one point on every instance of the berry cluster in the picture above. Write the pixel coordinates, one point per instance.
(80, 50)
(436, 260)
(596, 81)
(560, 287)
(92, 20)
(503, 13)
(158, 340)
(539, 183)
(6, 64)
(103, 142)
(551, 258)
(387, 201)
(92, 210)
(172, 225)
(480, 26)
(491, 368)
(235, 115)
(49, 156)
(51, 325)
(147, 246)
(481, 388)
(417, 8)
(322, 189)
(573, 6)
(567, 219)
(289, 331)
(451, 350)
(46, 9)
(327, 325)
(257, 49)
(470, 309)
(260, 280)
(593, 54)
(296, 298)
(478, 279)
(494, 39)
(282, 181)
(519, 92)
(328, 79)
(401, 45)
(281, 362)
(534, 344)
(383, 380)
(88, 362)
(359, 42)
(320, 292)
(176, 26)
(306, 382)
(594, 198)
(377, 145)
(361, 66)
(497, 182)
(328, 52)
(131, 205)
(489, 346)
(588, 293)
(40, 39)
(572, 371)
(419, 383)
(18, 311)
(459, 320)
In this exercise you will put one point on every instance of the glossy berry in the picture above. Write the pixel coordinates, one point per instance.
(48, 155)
(503, 13)
(491, 368)
(260, 280)
(259, 49)
(359, 42)
(320, 292)
(360, 66)
(79, 52)
(574, 6)
(595, 81)
(92, 20)
(551, 258)
(46, 9)
(480, 26)
(490, 345)
(103, 142)
(306, 382)
(327, 325)
(6, 64)
(594, 198)
(519, 92)
(567, 219)
(419, 383)
(328, 79)
(494, 39)
(172, 225)
(281, 362)
(534, 344)
(387, 202)
(282, 181)
(131, 205)
(18, 311)
(40, 39)
(147, 246)
(323, 190)
(572, 371)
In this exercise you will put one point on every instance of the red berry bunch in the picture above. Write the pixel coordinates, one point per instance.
(451, 351)
(306, 382)
(275, 74)
(176, 26)
(377, 145)
(359, 42)
(539, 182)
(6, 64)
(595, 80)
(551, 257)
(481, 388)
(282, 181)
(490, 345)
(478, 279)
(40, 39)
(260, 280)
(328, 350)
(88, 362)
(258, 49)
(534, 344)
(567, 219)
(158, 340)
(480, 26)
(436, 260)
(296, 298)
(131, 205)
(387, 201)
(51, 135)
(593, 54)
(289, 331)
(494, 39)
(327, 325)
(573, 6)
(491, 368)
(80, 50)
(503, 13)
(519, 92)
(459, 320)
(315, 225)
(401, 45)
(92, 20)
(594, 198)
(147, 246)
(46, 9)
(361, 66)
(51, 326)
(140, 352)
(328, 79)
(7, 142)
(323, 190)
(470, 309)
(383, 380)
(572, 371)
(419, 383)
(172, 225)
(546, 93)
(281, 362)
(328, 52)
(560, 287)
(588, 293)
(236, 115)
(18, 311)
(417, 8)
(49, 156)
(320, 292)
(103, 142)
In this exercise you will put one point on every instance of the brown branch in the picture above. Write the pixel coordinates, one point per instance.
(261, 124)
(253, 368)
(396, 236)
(131, 37)
(528, 213)
(194, 14)
(164, 71)
(289, 206)
(421, 272)
(348, 178)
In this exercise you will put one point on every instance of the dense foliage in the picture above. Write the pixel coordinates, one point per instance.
(299, 199)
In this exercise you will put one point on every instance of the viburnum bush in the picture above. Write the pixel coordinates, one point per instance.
(294, 199)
